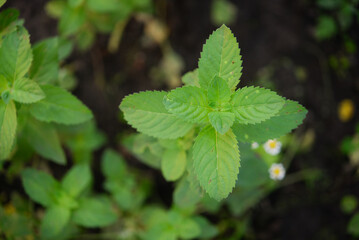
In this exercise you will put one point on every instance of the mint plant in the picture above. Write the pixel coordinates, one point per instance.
(67, 202)
(219, 114)
(31, 102)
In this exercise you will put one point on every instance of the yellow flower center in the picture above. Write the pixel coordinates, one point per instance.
(276, 171)
(272, 144)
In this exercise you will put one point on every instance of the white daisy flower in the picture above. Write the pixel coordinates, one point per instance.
(255, 145)
(272, 146)
(277, 171)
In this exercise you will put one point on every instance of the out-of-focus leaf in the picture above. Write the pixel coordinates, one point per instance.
(173, 164)
(71, 20)
(353, 226)
(45, 66)
(54, 222)
(79, 174)
(223, 12)
(45, 141)
(7, 17)
(208, 230)
(326, 28)
(39, 186)
(94, 212)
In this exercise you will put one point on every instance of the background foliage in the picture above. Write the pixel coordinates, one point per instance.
(102, 51)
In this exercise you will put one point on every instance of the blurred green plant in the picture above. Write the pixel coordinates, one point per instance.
(66, 201)
(337, 15)
(31, 103)
(350, 147)
(223, 12)
(83, 19)
(128, 190)
(349, 204)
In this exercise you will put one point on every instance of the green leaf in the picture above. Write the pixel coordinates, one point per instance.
(189, 229)
(45, 66)
(216, 162)
(71, 20)
(162, 231)
(221, 121)
(128, 193)
(144, 148)
(45, 141)
(184, 196)
(8, 124)
(2, 2)
(191, 78)
(353, 226)
(326, 27)
(82, 140)
(244, 198)
(345, 16)
(54, 221)
(328, 4)
(254, 170)
(208, 231)
(15, 55)
(253, 105)
(60, 106)
(63, 199)
(223, 12)
(85, 38)
(55, 8)
(113, 165)
(94, 212)
(103, 6)
(39, 186)
(173, 164)
(75, 3)
(7, 17)
(188, 103)
(145, 112)
(348, 204)
(288, 118)
(26, 91)
(65, 47)
(218, 93)
(220, 57)
(79, 174)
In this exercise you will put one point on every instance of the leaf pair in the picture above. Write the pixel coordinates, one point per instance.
(221, 108)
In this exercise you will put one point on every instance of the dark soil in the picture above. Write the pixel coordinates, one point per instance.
(267, 31)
